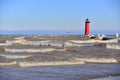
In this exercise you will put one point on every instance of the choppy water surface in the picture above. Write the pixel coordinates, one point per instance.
(73, 72)
(59, 63)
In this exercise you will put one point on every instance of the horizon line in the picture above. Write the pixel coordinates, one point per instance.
(59, 32)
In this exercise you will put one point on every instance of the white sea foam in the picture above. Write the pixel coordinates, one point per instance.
(33, 50)
(8, 63)
(27, 64)
(113, 46)
(79, 43)
(14, 56)
(95, 41)
(26, 42)
(97, 60)
(75, 61)
(67, 44)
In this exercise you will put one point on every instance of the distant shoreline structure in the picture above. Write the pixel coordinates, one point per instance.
(3, 32)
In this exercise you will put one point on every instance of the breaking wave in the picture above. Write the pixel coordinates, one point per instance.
(97, 60)
(113, 46)
(72, 61)
(76, 61)
(95, 41)
(8, 63)
(57, 63)
(33, 50)
(14, 56)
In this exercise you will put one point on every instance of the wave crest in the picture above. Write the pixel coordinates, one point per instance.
(97, 60)
(14, 56)
(113, 46)
(33, 50)
(28, 64)
(8, 63)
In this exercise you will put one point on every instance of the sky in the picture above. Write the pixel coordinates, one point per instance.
(59, 15)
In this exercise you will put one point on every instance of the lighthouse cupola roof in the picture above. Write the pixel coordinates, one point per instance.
(87, 21)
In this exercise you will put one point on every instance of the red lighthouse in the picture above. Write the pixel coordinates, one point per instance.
(87, 27)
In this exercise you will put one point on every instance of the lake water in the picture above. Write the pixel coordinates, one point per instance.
(60, 63)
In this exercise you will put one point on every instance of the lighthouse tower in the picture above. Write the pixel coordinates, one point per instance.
(87, 27)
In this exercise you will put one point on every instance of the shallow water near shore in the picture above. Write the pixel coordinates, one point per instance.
(73, 72)
(36, 62)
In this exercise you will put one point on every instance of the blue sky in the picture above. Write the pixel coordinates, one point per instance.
(59, 15)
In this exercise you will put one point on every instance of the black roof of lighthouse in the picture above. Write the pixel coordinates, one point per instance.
(87, 20)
